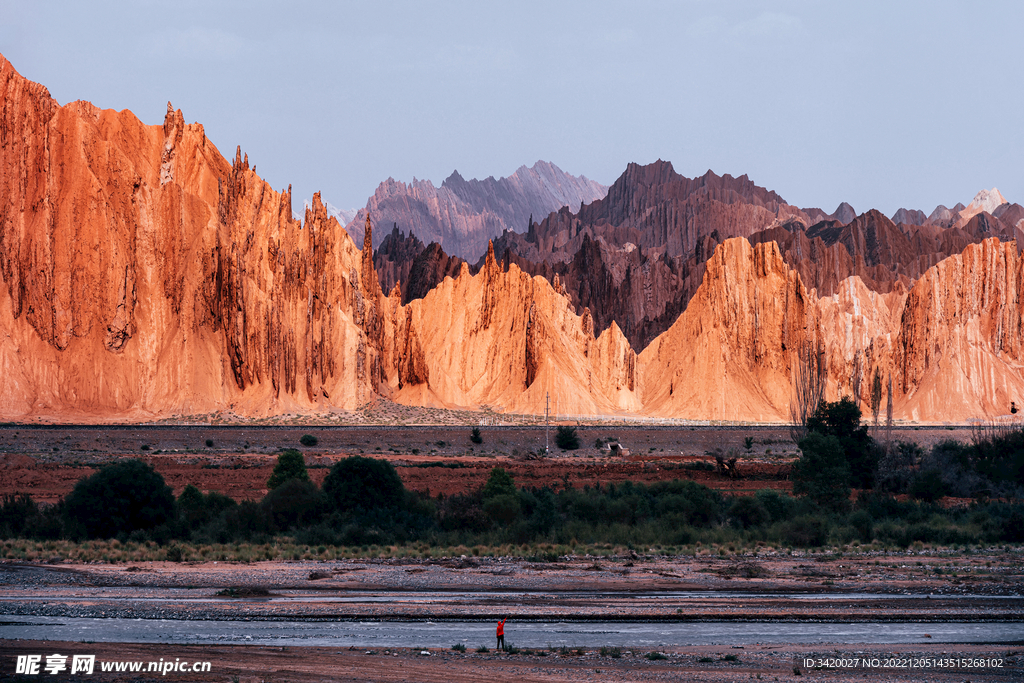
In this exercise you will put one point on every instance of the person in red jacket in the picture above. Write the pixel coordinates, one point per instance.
(501, 635)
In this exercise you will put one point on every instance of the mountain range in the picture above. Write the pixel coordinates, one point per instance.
(462, 215)
(145, 275)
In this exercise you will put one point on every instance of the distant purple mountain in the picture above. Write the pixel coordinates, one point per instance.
(462, 215)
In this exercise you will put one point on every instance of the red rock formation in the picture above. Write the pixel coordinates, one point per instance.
(953, 343)
(637, 256)
(505, 339)
(958, 353)
(730, 355)
(143, 275)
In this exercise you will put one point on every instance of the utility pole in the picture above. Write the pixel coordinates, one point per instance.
(547, 405)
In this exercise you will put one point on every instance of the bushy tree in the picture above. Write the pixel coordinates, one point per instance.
(806, 531)
(475, 437)
(463, 512)
(779, 506)
(821, 473)
(15, 515)
(290, 465)
(841, 419)
(948, 469)
(119, 498)
(500, 500)
(928, 486)
(363, 483)
(309, 440)
(503, 508)
(1000, 459)
(897, 465)
(295, 503)
(566, 439)
(196, 508)
(748, 511)
(687, 501)
(499, 483)
(862, 521)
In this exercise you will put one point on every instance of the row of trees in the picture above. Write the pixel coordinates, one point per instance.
(362, 501)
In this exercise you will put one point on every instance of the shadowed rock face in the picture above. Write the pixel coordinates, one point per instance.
(462, 215)
(144, 275)
(637, 256)
(429, 269)
(394, 257)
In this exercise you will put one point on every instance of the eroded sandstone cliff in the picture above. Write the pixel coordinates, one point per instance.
(144, 274)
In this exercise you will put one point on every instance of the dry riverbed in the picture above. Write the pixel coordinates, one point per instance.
(768, 587)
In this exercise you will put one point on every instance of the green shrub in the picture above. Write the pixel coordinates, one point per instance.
(748, 442)
(475, 437)
(780, 507)
(896, 466)
(566, 439)
(462, 512)
(119, 498)
(459, 647)
(806, 531)
(1000, 459)
(822, 473)
(290, 465)
(502, 509)
(209, 443)
(928, 485)
(864, 524)
(748, 511)
(1013, 528)
(499, 483)
(309, 440)
(359, 483)
(15, 513)
(295, 503)
(196, 509)
(684, 501)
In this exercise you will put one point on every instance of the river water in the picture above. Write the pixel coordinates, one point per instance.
(382, 634)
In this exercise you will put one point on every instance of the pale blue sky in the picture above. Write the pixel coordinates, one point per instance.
(881, 104)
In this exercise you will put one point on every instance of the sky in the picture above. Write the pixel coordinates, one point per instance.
(879, 104)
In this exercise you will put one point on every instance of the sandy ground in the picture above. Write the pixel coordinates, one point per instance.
(315, 664)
